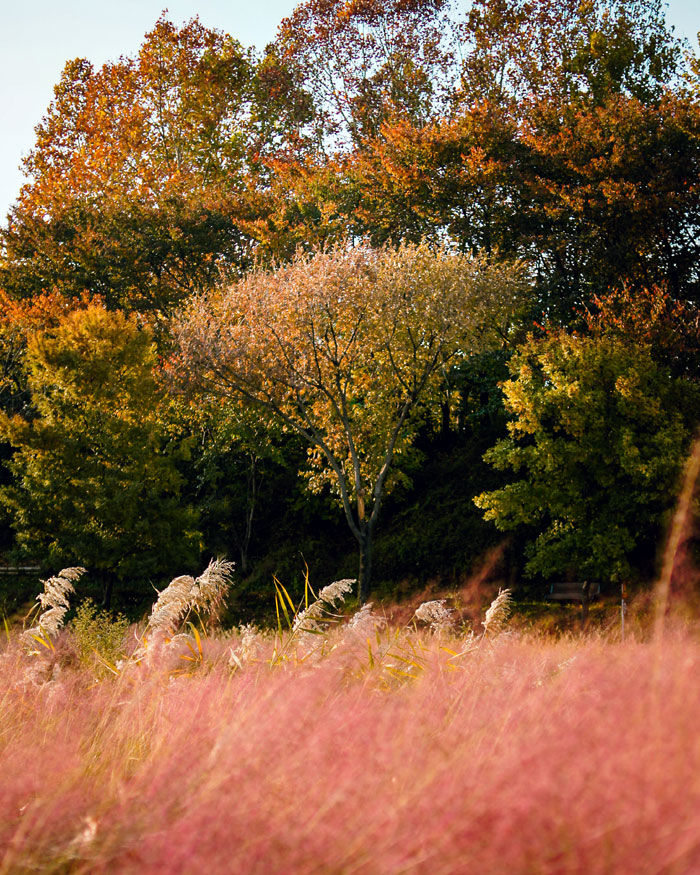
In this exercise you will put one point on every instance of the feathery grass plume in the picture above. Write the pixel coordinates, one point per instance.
(498, 613)
(365, 620)
(248, 647)
(185, 594)
(54, 602)
(436, 614)
(171, 606)
(317, 612)
(211, 587)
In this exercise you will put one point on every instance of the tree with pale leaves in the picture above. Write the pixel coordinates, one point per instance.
(350, 349)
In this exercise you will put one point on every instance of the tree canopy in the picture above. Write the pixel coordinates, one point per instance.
(347, 347)
(597, 440)
(344, 222)
(138, 180)
(95, 470)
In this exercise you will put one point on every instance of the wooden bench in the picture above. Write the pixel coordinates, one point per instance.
(583, 592)
(20, 570)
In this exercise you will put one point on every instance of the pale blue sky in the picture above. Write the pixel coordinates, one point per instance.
(37, 37)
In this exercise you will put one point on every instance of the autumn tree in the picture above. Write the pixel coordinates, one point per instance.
(363, 63)
(347, 348)
(528, 52)
(138, 182)
(654, 319)
(95, 478)
(604, 163)
(564, 135)
(19, 319)
(596, 443)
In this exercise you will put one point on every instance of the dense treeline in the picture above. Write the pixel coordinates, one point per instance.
(399, 237)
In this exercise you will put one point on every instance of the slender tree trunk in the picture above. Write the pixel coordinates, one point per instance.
(446, 424)
(107, 589)
(365, 574)
(243, 554)
(243, 541)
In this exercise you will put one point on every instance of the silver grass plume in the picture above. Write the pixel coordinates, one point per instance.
(210, 588)
(498, 613)
(436, 614)
(248, 647)
(365, 621)
(171, 606)
(54, 601)
(184, 594)
(308, 619)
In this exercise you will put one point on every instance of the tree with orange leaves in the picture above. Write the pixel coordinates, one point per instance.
(366, 61)
(564, 135)
(19, 319)
(138, 183)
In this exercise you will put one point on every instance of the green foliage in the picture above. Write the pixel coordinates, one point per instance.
(597, 438)
(95, 468)
(99, 635)
(237, 458)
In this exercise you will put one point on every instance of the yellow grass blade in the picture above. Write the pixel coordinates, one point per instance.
(307, 586)
(285, 594)
(277, 611)
(399, 673)
(48, 644)
(33, 610)
(192, 651)
(106, 663)
(281, 593)
(416, 662)
(197, 639)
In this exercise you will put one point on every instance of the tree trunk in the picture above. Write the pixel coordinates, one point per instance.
(365, 575)
(107, 589)
(243, 554)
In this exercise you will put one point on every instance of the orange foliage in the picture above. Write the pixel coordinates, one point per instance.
(651, 317)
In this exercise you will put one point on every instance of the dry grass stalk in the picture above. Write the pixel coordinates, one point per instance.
(309, 619)
(436, 614)
(365, 621)
(54, 602)
(677, 532)
(184, 594)
(497, 613)
(247, 650)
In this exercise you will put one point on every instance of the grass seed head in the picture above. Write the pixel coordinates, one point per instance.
(498, 613)
(308, 620)
(436, 614)
(54, 601)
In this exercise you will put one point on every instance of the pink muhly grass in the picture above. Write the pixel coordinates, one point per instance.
(529, 755)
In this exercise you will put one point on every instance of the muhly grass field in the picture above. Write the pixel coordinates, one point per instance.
(351, 746)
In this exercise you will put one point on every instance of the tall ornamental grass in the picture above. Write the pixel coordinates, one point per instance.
(351, 746)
